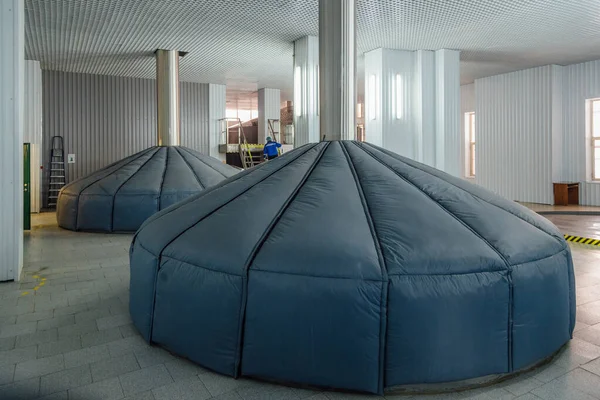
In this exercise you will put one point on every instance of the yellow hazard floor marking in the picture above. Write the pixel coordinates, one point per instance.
(582, 240)
(40, 282)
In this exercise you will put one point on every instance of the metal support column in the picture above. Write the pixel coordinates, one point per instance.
(337, 68)
(167, 92)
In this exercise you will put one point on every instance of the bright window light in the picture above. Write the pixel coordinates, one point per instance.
(231, 113)
(399, 96)
(359, 110)
(372, 99)
(244, 115)
(298, 91)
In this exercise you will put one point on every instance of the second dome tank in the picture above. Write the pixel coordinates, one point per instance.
(119, 197)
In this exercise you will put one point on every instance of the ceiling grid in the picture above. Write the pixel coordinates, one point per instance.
(248, 44)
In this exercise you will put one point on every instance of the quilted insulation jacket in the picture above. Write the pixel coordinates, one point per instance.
(343, 265)
(119, 197)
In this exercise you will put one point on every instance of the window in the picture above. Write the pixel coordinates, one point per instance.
(595, 138)
(243, 115)
(470, 137)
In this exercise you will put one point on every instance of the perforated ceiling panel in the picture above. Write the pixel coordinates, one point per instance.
(247, 44)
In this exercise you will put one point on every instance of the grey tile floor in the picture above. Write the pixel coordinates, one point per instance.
(65, 333)
(579, 225)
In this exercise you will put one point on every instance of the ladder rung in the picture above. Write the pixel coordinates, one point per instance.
(57, 176)
(54, 190)
(57, 169)
(57, 183)
(53, 197)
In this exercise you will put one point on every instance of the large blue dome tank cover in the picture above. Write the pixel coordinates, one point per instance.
(355, 269)
(119, 197)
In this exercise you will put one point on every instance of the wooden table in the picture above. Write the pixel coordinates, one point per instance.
(566, 193)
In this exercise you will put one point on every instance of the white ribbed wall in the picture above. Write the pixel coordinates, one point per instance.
(513, 124)
(580, 82)
(216, 111)
(467, 105)
(269, 107)
(306, 125)
(11, 136)
(32, 127)
(557, 123)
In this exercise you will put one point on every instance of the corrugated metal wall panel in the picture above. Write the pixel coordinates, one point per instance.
(194, 109)
(557, 124)
(32, 127)
(514, 134)
(580, 82)
(11, 135)
(105, 118)
(102, 119)
(467, 105)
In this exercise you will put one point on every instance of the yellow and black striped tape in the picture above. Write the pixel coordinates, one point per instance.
(582, 240)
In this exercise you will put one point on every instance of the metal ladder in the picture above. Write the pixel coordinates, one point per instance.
(274, 132)
(57, 177)
(248, 157)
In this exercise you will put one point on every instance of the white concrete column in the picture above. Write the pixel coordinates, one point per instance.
(389, 76)
(216, 111)
(32, 127)
(306, 90)
(337, 68)
(11, 136)
(412, 105)
(447, 96)
(424, 106)
(269, 107)
(372, 110)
